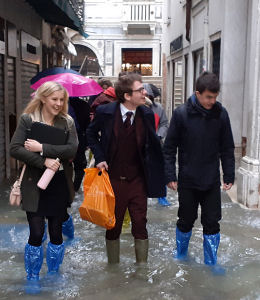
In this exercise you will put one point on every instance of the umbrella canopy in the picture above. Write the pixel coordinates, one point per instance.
(52, 71)
(76, 85)
(152, 90)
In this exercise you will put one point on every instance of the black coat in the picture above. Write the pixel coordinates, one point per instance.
(203, 139)
(35, 162)
(99, 135)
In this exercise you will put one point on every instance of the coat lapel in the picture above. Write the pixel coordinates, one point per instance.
(118, 122)
(139, 129)
(109, 119)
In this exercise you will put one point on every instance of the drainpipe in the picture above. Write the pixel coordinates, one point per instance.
(206, 38)
(160, 60)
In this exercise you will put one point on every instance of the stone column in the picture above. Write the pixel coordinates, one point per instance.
(248, 176)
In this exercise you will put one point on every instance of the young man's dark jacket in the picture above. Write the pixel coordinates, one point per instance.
(203, 138)
(151, 154)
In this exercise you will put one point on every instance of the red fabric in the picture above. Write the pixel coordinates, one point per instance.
(100, 100)
(131, 195)
(110, 92)
(157, 120)
(126, 160)
(125, 152)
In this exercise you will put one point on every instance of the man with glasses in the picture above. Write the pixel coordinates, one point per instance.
(130, 151)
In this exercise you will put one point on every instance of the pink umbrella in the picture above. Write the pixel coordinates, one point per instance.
(76, 85)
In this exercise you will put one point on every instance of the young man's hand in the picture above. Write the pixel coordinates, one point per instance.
(227, 186)
(102, 165)
(173, 185)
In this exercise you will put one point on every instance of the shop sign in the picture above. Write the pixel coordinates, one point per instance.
(30, 48)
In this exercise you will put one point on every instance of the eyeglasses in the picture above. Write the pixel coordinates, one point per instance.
(140, 90)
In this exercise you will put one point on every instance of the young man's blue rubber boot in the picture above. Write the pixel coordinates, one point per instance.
(33, 258)
(182, 244)
(54, 257)
(163, 201)
(68, 228)
(210, 246)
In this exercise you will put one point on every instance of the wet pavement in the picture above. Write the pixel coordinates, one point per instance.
(86, 275)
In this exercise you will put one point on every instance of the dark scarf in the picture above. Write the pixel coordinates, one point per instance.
(214, 112)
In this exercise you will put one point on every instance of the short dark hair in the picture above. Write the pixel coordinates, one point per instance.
(104, 81)
(123, 73)
(208, 81)
(124, 85)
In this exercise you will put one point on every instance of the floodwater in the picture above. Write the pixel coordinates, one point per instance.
(86, 275)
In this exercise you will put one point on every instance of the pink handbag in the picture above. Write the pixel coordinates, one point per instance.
(15, 194)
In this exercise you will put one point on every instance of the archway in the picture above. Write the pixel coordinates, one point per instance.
(86, 61)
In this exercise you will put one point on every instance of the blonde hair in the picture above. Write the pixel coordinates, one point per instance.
(34, 107)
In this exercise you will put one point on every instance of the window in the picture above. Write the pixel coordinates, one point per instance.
(216, 57)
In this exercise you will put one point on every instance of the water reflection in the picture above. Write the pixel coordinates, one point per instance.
(86, 275)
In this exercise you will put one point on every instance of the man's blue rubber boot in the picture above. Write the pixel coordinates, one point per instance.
(163, 201)
(33, 258)
(182, 243)
(54, 257)
(68, 228)
(210, 246)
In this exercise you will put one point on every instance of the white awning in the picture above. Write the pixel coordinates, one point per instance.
(72, 49)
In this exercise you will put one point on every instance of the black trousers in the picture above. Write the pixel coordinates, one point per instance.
(210, 203)
(80, 163)
(37, 226)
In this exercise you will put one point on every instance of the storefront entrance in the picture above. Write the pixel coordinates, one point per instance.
(137, 60)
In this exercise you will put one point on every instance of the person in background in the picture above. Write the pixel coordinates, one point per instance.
(79, 110)
(130, 151)
(50, 106)
(201, 132)
(161, 125)
(105, 84)
(105, 97)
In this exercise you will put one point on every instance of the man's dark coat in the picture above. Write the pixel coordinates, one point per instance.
(203, 139)
(99, 136)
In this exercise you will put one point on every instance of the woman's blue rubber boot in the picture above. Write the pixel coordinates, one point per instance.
(68, 228)
(33, 258)
(54, 257)
(210, 246)
(182, 243)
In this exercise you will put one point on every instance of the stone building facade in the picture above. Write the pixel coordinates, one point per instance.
(123, 35)
(220, 36)
(28, 43)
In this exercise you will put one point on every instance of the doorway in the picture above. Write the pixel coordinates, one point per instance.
(137, 60)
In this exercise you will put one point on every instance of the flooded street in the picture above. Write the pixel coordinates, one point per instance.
(86, 275)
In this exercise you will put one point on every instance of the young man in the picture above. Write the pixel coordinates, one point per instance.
(130, 151)
(200, 130)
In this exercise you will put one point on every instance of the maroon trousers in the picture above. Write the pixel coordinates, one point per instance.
(132, 195)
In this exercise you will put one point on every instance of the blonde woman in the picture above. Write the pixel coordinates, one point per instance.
(49, 105)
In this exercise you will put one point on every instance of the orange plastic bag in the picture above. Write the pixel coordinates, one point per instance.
(98, 206)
